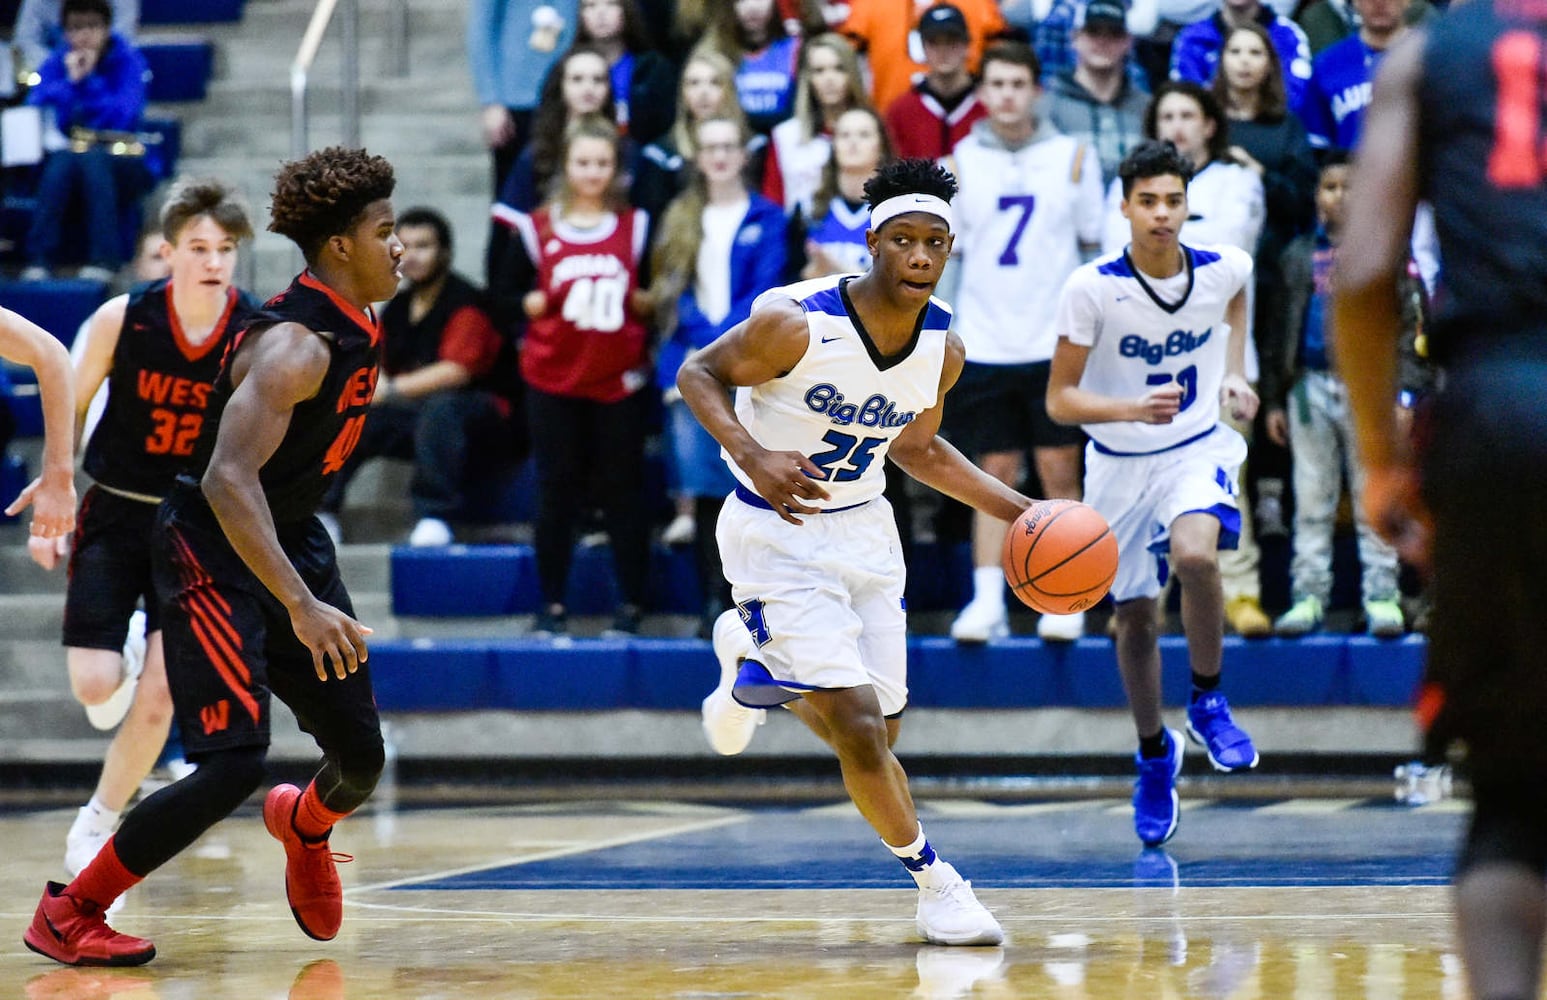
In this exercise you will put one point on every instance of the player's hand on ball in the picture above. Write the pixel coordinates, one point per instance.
(1237, 397)
(1161, 404)
(786, 479)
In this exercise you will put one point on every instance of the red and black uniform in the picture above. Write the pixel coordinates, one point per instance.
(1485, 461)
(158, 391)
(586, 365)
(229, 641)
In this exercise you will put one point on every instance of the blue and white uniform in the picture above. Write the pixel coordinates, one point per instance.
(824, 601)
(841, 235)
(1143, 332)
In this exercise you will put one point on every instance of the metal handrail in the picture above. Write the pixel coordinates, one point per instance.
(300, 70)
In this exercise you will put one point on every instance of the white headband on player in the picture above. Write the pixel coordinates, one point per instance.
(905, 203)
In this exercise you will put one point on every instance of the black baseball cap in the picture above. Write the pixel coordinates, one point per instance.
(942, 19)
(1104, 14)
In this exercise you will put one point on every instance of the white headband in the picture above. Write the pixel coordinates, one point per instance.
(905, 203)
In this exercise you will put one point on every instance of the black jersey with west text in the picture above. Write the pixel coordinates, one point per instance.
(324, 429)
(158, 391)
(1483, 158)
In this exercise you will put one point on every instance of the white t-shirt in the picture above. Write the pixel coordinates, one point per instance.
(800, 162)
(1020, 218)
(712, 277)
(1144, 331)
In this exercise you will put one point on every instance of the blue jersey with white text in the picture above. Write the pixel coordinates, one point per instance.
(1339, 90)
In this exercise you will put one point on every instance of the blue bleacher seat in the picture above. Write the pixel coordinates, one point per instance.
(481, 580)
(673, 674)
(180, 68)
(190, 11)
(59, 306)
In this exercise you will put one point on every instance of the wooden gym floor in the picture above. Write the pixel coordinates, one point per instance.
(1301, 898)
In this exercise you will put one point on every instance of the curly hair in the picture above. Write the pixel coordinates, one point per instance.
(325, 194)
(193, 197)
(911, 176)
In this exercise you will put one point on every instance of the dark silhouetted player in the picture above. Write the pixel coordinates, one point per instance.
(1456, 121)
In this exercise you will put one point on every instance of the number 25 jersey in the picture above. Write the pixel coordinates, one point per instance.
(1145, 332)
(843, 403)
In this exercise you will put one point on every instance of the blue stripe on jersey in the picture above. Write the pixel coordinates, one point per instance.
(1116, 267)
(827, 301)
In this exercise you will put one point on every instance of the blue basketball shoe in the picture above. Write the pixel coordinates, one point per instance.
(1210, 726)
(1156, 808)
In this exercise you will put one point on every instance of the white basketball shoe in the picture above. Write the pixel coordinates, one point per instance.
(729, 724)
(981, 621)
(950, 914)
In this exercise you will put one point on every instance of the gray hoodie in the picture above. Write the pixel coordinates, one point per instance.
(1113, 129)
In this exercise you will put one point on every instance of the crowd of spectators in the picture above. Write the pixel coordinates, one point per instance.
(741, 132)
(746, 129)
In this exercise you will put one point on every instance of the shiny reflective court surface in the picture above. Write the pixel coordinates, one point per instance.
(1302, 899)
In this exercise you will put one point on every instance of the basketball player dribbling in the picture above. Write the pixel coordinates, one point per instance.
(1456, 122)
(252, 601)
(1148, 339)
(832, 377)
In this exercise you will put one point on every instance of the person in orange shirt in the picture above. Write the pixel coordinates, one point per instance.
(892, 42)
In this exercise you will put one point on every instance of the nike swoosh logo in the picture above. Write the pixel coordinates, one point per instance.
(52, 929)
(829, 340)
(1119, 298)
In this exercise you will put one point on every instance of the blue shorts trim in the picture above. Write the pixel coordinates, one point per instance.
(755, 687)
(1158, 451)
(746, 496)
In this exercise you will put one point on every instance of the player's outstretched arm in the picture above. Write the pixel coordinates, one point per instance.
(1366, 308)
(763, 347)
(922, 453)
(1067, 403)
(95, 360)
(276, 368)
(52, 494)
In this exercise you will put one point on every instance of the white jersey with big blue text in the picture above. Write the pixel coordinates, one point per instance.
(1144, 332)
(843, 404)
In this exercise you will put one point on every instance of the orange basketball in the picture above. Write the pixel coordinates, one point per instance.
(1060, 556)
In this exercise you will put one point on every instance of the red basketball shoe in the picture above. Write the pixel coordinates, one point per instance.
(75, 932)
(311, 874)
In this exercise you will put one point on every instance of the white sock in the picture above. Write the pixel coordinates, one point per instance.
(988, 585)
(918, 857)
(102, 818)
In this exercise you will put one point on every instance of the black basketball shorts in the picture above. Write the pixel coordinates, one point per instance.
(230, 643)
